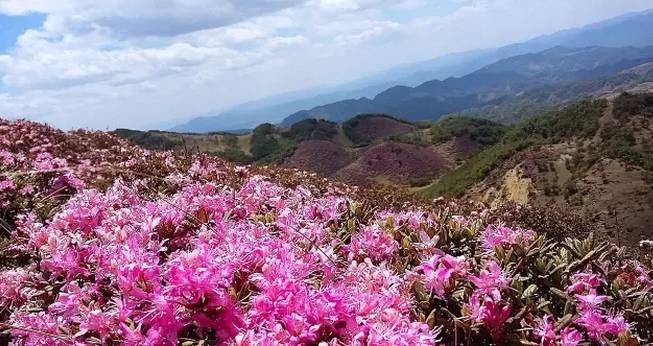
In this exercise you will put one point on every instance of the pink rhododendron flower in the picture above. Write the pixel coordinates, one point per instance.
(373, 242)
(490, 280)
(546, 335)
(494, 236)
(643, 277)
(45, 161)
(27, 190)
(489, 313)
(6, 184)
(597, 324)
(615, 324)
(570, 337)
(441, 272)
(590, 301)
(115, 244)
(584, 282)
(545, 332)
(11, 284)
(6, 158)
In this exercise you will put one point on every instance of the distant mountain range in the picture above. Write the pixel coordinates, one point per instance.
(557, 67)
(628, 30)
(274, 109)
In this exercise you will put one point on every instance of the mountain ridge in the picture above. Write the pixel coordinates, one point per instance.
(506, 77)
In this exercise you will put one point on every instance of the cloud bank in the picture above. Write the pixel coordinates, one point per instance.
(126, 63)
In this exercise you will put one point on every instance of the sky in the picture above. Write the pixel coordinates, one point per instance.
(143, 63)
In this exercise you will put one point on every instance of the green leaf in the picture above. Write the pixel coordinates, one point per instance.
(529, 291)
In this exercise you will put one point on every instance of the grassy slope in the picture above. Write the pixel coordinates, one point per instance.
(229, 146)
(578, 120)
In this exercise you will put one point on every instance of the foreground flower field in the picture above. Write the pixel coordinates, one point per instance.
(105, 243)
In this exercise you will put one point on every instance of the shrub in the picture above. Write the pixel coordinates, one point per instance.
(263, 142)
(313, 129)
(230, 141)
(350, 126)
(234, 155)
(485, 132)
(627, 105)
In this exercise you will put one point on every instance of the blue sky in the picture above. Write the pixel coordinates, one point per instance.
(13, 26)
(133, 63)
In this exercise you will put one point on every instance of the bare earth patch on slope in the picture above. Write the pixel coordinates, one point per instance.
(320, 156)
(615, 197)
(395, 162)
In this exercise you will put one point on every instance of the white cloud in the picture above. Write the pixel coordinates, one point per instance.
(133, 62)
(148, 17)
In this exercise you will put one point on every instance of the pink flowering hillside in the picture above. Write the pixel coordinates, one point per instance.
(104, 243)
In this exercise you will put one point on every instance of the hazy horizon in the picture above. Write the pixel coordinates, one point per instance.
(135, 64)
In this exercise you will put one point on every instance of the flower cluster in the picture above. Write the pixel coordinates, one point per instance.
(495, 235)
(112, 244)
(440, 273)
(374, 243)
(592, 316)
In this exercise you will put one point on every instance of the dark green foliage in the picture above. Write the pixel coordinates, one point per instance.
(423, 124)
(263, 142)
(578, 120)
(268, 146)
(569, 188)
(286, 149)
(230, 141)
(152, 140)
(350, 126)
(619, 143)
(627, 105)
(313, 129)
(483, 131)
(353, 122)
(234, 155)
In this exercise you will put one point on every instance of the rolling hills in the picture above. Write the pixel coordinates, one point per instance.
(365, 150)
(581, 158)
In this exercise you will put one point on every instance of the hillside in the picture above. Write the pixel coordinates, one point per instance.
(593, 159)
(106, 243)
(229, 146)
(580, 159)
(578, 71)
(321, 195)
(533, 102)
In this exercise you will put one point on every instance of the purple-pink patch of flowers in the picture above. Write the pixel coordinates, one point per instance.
(118, 245)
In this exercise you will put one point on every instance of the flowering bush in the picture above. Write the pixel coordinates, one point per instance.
(111, 244)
